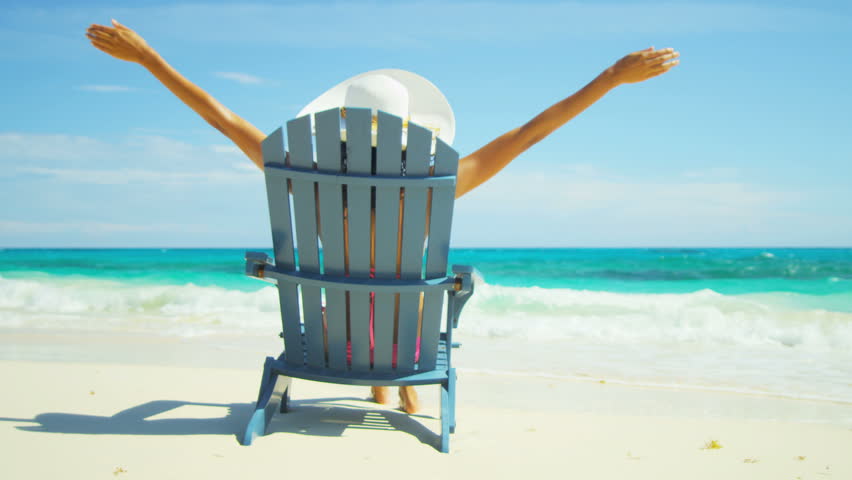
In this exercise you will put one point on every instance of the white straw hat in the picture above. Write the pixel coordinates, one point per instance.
(398, 92)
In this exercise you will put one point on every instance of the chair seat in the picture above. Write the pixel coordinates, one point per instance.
(393, 379)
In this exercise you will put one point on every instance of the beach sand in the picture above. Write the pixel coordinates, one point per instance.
(106, 406)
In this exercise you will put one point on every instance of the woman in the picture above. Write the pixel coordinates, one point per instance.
(474, 169)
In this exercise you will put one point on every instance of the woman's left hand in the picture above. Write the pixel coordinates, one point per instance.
(119, 41)
(642, 65)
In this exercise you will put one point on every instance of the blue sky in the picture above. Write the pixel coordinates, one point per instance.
(747, 143)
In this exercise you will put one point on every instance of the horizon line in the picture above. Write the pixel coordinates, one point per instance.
(459, 247)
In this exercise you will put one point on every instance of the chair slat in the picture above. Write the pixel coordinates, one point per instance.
(331, 226)
(433, 304)
(359, 330)
(413, 237)
(358, 160)
(359, 123)
(408, 331)
(330, 196)
(414, 214)
(446, 163)
(304, 200)
(388, 162)
(278, 197)
(335, 314)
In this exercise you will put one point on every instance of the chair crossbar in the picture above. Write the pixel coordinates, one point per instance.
(362, 284)
(384, 181)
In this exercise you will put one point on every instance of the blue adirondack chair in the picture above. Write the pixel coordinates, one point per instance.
(334, 303)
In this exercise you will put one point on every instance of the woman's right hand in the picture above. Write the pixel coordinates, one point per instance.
(642, 65)
(119, 41)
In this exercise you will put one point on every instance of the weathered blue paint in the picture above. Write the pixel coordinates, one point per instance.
(388, 163)
(440, 221)
(282, 241)
(333, 200)
(413, 239)
(331, 225)
(359, 163)
(304, 199)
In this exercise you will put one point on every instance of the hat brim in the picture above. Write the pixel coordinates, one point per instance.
(427, 106)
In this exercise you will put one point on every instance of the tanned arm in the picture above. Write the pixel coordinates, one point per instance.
(125, 44)
(484, 163)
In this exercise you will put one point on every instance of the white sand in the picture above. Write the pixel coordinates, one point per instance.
(105, 419)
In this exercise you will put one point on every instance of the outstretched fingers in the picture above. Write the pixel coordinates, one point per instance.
(106, 47)
(118, 41)
(662, 58)
(648, 53)
(100, 30)
(661, 55)
(661, 61)
(661, 68)
(96, 33)
(100, 39)
(664, 64)
(643, 64)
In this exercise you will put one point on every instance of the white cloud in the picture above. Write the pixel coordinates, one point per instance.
(105, 88)
(24, 148)
(126, 176)
(243, 78)
(18, 227)
(232, 149)
(135, 159)
(560, 208)
(137, 152)
(580, 188)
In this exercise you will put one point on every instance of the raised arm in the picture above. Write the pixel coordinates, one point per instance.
(484, 163)
(125, 44)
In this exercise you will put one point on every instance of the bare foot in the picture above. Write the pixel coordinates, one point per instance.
(408, 400)
(380, 395)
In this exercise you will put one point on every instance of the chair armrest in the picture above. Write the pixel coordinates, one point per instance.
(256, 263)
(465, 278)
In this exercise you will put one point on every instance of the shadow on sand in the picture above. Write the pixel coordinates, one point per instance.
(325, 417)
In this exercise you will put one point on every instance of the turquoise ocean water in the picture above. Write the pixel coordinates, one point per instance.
(764, 320)
(821, 271)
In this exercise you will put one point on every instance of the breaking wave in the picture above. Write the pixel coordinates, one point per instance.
(530, 313)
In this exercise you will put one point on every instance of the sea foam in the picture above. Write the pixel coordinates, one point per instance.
(97, 305)
(776, 344)
(529, 313)
(702, 317)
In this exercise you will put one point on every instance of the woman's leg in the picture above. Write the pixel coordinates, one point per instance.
(408, 400)
(380, 394)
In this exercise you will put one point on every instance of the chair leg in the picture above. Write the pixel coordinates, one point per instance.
(273, 388)
(452, 394)
(445, 417)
